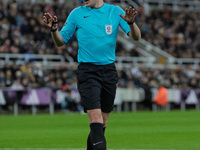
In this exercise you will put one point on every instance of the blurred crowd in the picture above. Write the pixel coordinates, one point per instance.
(33, 75)
(63, 80)
(60, 79)
(22, 31)
(175, 31)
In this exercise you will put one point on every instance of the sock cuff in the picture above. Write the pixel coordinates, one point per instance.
(96, 125)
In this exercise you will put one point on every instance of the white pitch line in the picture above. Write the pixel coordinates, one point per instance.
(70, 149)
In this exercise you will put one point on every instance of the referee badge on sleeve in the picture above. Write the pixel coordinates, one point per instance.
(108, 29)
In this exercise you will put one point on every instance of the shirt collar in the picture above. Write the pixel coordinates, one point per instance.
(97, 9)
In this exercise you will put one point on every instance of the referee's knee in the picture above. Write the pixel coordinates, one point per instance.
(95, 116)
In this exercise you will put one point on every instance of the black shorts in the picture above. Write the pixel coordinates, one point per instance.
(97, 86)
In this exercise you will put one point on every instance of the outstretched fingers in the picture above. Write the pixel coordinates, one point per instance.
(55, 19)
(123, 17)
(131, 10)
(127, 11)
(135, 13)
(47, 15)
(47, 19)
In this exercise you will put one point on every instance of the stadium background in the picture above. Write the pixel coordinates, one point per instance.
(38, 78)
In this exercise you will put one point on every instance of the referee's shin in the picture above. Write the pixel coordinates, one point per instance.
(89, 143)
(97, 137)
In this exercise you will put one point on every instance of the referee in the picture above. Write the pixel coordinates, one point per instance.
(96, 25)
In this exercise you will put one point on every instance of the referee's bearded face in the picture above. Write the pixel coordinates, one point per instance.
(90, 3)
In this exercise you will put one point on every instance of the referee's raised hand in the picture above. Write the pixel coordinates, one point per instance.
(130, 15)
(50, 21)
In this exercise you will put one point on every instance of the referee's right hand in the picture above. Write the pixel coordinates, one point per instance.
(50, 21)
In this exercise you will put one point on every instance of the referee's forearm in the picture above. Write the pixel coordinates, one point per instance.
(57, 38)
(135, 32)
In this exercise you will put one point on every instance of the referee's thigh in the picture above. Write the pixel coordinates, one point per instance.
(89, 86)
(108, 90)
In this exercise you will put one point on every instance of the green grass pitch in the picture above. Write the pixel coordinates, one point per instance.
(174, 130)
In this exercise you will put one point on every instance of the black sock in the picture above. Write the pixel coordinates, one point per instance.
(104, 128)
(89, 143)
(97, 138)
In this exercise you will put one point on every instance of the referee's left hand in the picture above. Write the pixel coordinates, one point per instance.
(130, 14)
(49, 20)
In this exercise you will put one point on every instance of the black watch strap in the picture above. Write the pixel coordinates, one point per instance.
(53, 23)
(130, 23)
(54, 30)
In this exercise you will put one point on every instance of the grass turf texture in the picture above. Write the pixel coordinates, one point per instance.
(142, 130)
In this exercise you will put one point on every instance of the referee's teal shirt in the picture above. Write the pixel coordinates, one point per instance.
(96, 30)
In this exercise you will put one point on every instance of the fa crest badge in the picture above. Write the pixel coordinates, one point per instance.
(108, 29)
